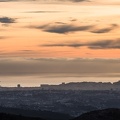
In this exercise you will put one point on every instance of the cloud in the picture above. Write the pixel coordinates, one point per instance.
(78, 0)
(60, 23)
(10, 0)
(61, 67)
(43, 11)
(2, 37)
(64, 45)
(7, 20)
(45, 0)
(105, 30)
(101, 44)
(73, 20)
(105, 44)
(26, 50)
(62, 28)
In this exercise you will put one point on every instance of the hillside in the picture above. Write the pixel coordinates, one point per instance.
(49, 115)
(4, 116)
(106, 114)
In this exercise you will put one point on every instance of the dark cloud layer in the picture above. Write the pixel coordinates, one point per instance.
(62, 28)
(75, 67)
(78, 0)
(105, 44)
(105, 30)
(102, 44)
(43, 11)
(2, 37)
(64, 45)
(69, 28)
(45, 0)
(7, 20)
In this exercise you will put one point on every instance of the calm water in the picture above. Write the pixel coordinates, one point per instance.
(32, 81)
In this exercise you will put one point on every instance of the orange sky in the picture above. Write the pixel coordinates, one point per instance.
(37, 24)
(71, 40)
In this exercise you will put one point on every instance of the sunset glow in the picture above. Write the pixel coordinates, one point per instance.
(59, 30)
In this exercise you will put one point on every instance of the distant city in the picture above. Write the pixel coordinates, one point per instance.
(72, 98)
(83, 86)
(71, 86)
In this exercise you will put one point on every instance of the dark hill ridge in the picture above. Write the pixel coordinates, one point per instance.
(4, 116)
(48, 115)
(106, 114)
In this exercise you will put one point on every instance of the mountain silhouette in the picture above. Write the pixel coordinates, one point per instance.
(106, 114)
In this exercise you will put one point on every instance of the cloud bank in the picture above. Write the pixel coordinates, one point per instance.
(101, 44)
(70, 28)
(62, 28)
(45, 0)
(105, 30)
(7, 20)
(68, 67)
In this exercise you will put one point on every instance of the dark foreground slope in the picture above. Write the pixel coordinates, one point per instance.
(48, 115)
(106, 114)
(4, 116)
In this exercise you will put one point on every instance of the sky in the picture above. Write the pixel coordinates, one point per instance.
(59, 38)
